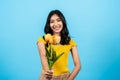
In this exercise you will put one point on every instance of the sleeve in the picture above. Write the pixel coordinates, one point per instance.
(40, 39)
(72, 43)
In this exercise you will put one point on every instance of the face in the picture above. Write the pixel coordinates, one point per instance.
(56, 24)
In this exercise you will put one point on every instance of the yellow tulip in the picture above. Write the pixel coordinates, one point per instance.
(50, 52)
(56, 39)
(47, 37)
(52, 39)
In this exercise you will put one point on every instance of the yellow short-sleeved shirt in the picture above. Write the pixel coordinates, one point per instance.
(60, 66)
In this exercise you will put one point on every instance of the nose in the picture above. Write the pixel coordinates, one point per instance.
(55, 23)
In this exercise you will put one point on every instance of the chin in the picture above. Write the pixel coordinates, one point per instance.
(57, 31)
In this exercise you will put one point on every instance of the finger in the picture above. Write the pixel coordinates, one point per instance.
(48, 74)
(49, 77)
(50, 71)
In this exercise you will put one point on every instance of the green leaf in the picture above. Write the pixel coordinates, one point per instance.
(50, 51)
(47, 52)
(51, 56)
(50, 64)
(54, 55)
(57, 57)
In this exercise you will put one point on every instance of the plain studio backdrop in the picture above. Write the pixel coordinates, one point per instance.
(93, 24)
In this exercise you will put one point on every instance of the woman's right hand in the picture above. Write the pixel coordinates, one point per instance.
(49, 74)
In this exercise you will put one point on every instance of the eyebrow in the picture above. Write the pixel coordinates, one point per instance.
(56, 19)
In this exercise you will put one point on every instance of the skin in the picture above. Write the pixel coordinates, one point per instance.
(57, 25)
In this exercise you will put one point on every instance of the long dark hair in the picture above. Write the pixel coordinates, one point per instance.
(65, 38)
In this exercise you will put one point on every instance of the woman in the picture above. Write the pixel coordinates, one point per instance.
(56, 25)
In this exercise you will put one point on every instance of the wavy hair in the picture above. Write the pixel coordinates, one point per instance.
(65, 38)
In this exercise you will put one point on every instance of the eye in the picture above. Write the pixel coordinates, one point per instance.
(51, 21)
(59, 20)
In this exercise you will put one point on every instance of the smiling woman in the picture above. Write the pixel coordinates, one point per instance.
(56, 26)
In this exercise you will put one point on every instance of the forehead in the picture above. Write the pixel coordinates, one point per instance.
(55, 16)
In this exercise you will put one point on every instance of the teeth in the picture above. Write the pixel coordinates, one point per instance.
(56, 27)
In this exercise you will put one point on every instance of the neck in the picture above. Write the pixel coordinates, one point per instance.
(57, 34)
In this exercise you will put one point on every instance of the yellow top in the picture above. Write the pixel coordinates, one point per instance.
(60, 66)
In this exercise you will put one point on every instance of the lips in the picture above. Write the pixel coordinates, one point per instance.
(56, 27)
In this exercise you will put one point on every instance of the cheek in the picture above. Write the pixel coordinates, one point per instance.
(51, 25)
(61, 23)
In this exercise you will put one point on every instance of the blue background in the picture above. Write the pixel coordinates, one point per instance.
(93, 24)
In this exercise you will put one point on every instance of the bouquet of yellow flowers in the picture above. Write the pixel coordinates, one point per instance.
(50, 52)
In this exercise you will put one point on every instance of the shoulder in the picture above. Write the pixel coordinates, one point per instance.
(72, 43)
(40, 39)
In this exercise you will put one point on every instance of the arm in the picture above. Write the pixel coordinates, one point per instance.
(76, 63)
(42, 52)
